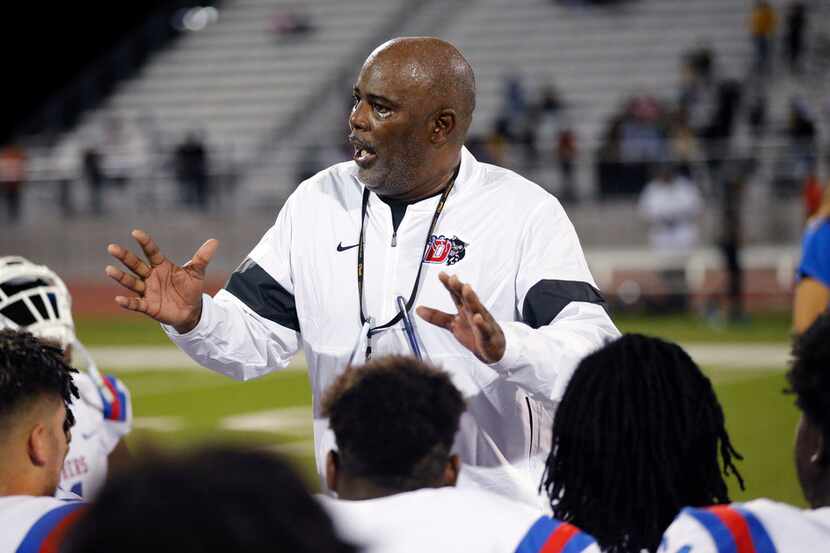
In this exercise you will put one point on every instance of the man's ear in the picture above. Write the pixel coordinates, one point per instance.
(332, 470)
(38, 445)
(451, 470)
(443, 124)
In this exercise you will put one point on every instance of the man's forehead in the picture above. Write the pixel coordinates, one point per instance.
(389, 68)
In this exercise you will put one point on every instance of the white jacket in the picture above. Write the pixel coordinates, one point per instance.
(505, 236)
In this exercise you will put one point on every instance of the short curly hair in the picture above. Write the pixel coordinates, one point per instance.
(395, 420)
(809, 375)
(28, 368)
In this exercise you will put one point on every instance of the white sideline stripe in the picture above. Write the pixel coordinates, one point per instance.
(158, 424)
(736, 355)
(147, 358)
(287, 420)
(762, 357)
(304, 447)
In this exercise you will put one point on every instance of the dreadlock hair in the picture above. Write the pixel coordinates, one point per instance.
(218, 498)
(809, 375)
(30, 368)
(395, 420)
(636, 437)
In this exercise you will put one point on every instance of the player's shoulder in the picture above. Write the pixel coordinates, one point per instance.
(111, 397)
(29, 523)
(770, 526)
(817, 233)
(548, 534)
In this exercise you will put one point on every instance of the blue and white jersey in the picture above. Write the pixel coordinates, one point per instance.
(100, 423)
(36, 524)
(760, 526)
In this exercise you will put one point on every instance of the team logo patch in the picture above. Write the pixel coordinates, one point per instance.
(442, 249)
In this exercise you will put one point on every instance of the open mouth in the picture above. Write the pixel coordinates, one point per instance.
(364, 155)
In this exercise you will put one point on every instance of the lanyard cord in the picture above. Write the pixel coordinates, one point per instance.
(360, 250)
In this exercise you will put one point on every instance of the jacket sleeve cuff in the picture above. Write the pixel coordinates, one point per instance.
(511, 359)
(201, 328)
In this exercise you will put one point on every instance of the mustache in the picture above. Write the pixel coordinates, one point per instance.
(361, 144)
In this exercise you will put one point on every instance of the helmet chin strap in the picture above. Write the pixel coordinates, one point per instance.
(92, 369)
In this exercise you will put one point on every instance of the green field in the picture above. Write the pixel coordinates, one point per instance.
(178, 409)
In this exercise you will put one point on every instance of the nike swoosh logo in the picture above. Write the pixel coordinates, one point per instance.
(342, 248)
(88, 435)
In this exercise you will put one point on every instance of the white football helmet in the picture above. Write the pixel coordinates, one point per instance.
(34, 298)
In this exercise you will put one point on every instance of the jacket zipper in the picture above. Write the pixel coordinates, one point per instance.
(530, 418)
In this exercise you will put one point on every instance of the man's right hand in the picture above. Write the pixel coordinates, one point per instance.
(166, 292)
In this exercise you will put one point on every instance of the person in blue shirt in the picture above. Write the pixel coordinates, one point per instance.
(812, 291)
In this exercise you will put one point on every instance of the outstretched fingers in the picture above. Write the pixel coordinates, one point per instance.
(129, 260)
(203, 255)
(151, 249)
(127, 281)
(434, 316)
(132, 303)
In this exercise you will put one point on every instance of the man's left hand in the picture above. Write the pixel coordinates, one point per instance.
(473, 325)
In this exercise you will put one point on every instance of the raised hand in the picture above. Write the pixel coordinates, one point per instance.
(473, 325)
(164, 291)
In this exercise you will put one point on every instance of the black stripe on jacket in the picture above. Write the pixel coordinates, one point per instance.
(264, 295)
(547, 298)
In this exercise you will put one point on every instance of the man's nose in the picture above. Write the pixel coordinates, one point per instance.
(357, 118)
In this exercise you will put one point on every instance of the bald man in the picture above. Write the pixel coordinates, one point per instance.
(506, 303)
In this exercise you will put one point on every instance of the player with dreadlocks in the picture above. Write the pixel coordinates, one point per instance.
(639, 435)
(36, 390)
(769, 526)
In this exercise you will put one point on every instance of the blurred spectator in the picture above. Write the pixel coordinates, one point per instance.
(514, 109)
(684, 147)
(290, 22)
(550, 101)
(12, 178)
(757, 115)
(801, 130)
(566, 155)
(698, 90)
(96, 180)
(191, 162)
(672, 204)
(641, 136)
(762, 23)
(796, 27)
(733, 180)
(717, 135)
(217, 499)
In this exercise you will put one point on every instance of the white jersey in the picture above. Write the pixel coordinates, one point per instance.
(672, 210)
(35, 524)
(502, 234)
(99, 424)
(760, 526)
(449, 520)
